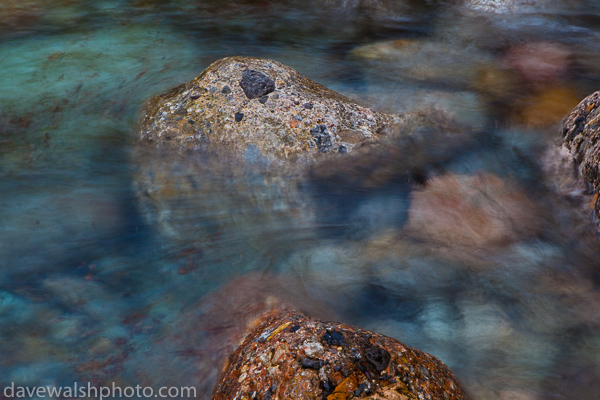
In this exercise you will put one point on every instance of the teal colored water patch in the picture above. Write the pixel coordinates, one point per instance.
(64, 94)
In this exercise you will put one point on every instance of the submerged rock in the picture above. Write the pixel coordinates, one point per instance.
(473, 211)
(431, 61)
(580, 132)
(237, 156)
(218, 156)
(246, 107)
(502, 6)
(290, 355)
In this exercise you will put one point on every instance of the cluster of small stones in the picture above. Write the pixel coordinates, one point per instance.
(252, 108)
(291, 356)
(580, 132)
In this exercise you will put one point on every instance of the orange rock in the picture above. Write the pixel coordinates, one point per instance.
(344, 390)
(373, 366)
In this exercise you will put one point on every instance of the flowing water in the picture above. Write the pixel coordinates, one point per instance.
(485, 258)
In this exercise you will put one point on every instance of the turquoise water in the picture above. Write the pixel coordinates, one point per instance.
(93, 288)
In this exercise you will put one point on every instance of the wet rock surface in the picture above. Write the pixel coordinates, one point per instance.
(290, 355)
(580, 132)
(249, 107)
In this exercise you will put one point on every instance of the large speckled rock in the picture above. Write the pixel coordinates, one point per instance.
(291, 356)
(225, 157)
(580, 132)
(260, 109)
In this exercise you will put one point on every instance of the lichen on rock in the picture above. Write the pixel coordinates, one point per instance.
(242, 105)
(274, 362)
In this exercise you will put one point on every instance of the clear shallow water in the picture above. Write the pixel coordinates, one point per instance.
(93, 291)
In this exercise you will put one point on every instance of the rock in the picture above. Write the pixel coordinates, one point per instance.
(272, 363)
(368, 190)
(500, 6)
(424, 60)
(580, 132)
(244, 107)
(219, 157)
(473, 211)
(224, 208)
(192, 344)
(504, 8)
(539, 62)
(233, 154)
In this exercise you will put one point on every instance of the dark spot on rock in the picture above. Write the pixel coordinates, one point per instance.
(308, 106)
(256, 84)
(379, 358)
(579, 125)
(239, 117)
(334, 338)
(263, 99)
(226, 90)
(294, 328)
(360, 390)
(167, 138)
(196, 92)
(178, 118)
(322, 138)
(328, 386)
(312, 364)
(342, 149)
(268, 394)
(191, 121)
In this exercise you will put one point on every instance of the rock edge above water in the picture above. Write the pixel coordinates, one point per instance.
(581, 134)
(258, 110)
(292, 356)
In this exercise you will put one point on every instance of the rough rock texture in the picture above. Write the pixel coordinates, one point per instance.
(291, 356)
(236, 155)
(580, 131)
(261, 109)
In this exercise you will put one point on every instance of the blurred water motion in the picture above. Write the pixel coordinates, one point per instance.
(464, 246)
